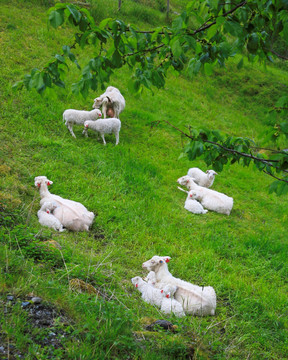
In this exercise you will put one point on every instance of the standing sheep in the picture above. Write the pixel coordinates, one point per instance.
(46, 218)
(72, 215)
(195, 299)
(201, 178)
(113, 100)
(105, 126)
(78, 117)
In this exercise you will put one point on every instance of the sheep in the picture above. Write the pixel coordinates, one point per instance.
(151, 278)
(150, 294)
(170, 305)
(111, 99)
(213, 201)
(195, 299)
(72, 215)
(105, 126)
(192, 205)
(201, 178)
(78, 117)
(46, 218)
(210, 199)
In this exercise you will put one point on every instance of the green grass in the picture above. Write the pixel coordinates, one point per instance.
(132, 188)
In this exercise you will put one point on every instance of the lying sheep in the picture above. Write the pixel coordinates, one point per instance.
(111, 99)
(46, 218)
(105, 126)
(210, 199)
(213, 201)
(170, 305)
(195, 299)
(150, 294)
(201, 178)
(78, 117)
(72, 215)
(192, 205)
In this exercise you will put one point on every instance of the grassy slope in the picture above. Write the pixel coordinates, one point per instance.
(132, 188)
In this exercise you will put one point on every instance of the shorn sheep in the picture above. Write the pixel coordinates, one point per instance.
(170, 305)
(78, 117)
(210, 199)
(46, 218)
(195, 299)
(71, 214)
(201, 178)
(105, 126)
(192, 205)
(150, 294)
(111, 99)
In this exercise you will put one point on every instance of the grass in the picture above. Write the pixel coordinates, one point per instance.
(132, 189)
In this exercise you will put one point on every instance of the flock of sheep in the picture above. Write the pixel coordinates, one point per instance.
(160, 288)
(112, 102)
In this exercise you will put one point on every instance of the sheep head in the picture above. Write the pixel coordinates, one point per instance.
(211, 174)
(97, 102)
(155, 262)
(186, 181)
(41, 180)
(136, 281)
(193, 194)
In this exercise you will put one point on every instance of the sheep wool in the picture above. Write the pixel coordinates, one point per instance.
(111, 99)
(105, 126)
(150, 294)
(201, 178)
(46, 218)
(78, 117)
(196, 300)
(170, 305)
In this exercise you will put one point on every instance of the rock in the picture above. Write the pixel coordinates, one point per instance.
(36, 300)
(10, 297)
(25, 304)
(164, 324)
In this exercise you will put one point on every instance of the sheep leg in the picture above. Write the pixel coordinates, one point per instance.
(85, 132)
(70, 128)
(117, 138)
(102, 135)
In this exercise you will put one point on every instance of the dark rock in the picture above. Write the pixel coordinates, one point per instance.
(164, 324)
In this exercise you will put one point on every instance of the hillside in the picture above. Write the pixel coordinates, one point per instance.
(139, 211)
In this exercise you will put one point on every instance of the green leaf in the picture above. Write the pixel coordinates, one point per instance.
(208, 69)
(56, 18)
(75, 13)
(176, 48)
(177, 24)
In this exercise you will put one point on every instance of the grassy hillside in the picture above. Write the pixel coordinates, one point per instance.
(133, 191)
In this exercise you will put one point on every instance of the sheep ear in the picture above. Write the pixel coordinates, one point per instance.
(167, 259)
(49, 182)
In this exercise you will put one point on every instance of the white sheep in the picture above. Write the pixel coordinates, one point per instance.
(105, 126)
(210, 199)
(151, 278)
(72, 214)
(111, 99)
(170, 305)
(192, 205)
(78, 117)
(196, 300)
(213, 201)
(150, 294)
(201, 178)
(46, 218)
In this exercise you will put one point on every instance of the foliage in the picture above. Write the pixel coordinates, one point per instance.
(204, 36)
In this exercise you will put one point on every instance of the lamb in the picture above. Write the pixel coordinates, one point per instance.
(192, 205)
(195, 299)
(71, 214)
(201, 178)
(151, 278)
(213, 201)
(78, 117)
(46, 218)
(111, 99)
(210, 199)
(170, 305)
(105, 126)
(150, 294)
